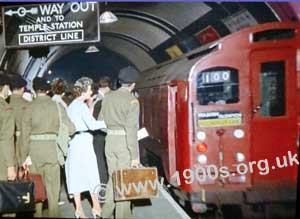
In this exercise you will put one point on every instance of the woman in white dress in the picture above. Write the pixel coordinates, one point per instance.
(81, 164)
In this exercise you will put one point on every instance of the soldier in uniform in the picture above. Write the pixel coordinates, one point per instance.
(42, 128)
(120, 111)
(20, 107)
(7, 127)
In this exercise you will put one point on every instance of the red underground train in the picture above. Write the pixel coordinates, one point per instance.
(223, 120)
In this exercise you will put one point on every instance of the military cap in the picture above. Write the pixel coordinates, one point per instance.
(128, 75)
(17, 81)
(41, 84)
(4, 80)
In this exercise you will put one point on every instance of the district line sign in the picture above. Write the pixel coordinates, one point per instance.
(51, 24)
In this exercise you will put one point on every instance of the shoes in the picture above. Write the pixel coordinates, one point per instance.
(96, 213)
(79, 214)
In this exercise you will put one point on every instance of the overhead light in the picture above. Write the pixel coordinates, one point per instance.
(91, 49)
(108, 17)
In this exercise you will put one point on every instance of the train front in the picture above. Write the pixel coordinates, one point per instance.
(243, 121)
(219, 136)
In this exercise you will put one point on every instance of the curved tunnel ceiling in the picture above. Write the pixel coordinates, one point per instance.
(150, 33)
(65, 67)
(166, 30)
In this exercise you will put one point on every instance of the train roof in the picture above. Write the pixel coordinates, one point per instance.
(176, 69)
(180, 68)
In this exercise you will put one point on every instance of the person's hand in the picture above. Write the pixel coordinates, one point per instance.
(21, 173)
(25, 168)
(11, 173)
(135, 163)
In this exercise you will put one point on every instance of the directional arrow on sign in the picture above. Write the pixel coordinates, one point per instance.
(10, 12)
(21, 12)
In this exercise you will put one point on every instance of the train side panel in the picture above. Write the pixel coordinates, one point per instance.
(162, 107)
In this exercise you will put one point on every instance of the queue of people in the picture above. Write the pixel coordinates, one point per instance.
(102, 130)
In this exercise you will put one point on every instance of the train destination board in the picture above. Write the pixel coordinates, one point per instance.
(215, 119)
(51, 24)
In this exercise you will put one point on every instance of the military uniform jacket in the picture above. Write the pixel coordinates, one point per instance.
(7, 127)
(42, 120)
(120, 111)
(20, 108)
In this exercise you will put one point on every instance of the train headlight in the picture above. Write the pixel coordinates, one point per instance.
(240, 157)
(243, 178)
(202, 159)
(238, 133)
(202, 147)
(201, 136)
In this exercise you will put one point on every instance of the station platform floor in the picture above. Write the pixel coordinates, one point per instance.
(162, 207)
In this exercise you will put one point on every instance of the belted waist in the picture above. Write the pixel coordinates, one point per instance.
(115, 132)
(18, 133)
(43, 137)
(81, 132)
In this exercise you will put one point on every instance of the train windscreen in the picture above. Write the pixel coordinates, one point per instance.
(218, 85)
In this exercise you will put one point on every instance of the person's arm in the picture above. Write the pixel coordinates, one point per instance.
(25, 134)
(90, 121)
(131, 128)
(90, 105)
(7, 142)
(66, 120)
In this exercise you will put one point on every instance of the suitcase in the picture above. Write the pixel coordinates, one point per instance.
(16, 197)
(135, 183)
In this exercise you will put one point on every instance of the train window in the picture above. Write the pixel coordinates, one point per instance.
(218, 85)
(279, 34)
(272, 89)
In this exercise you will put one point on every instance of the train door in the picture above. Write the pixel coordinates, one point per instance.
(273, 123)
